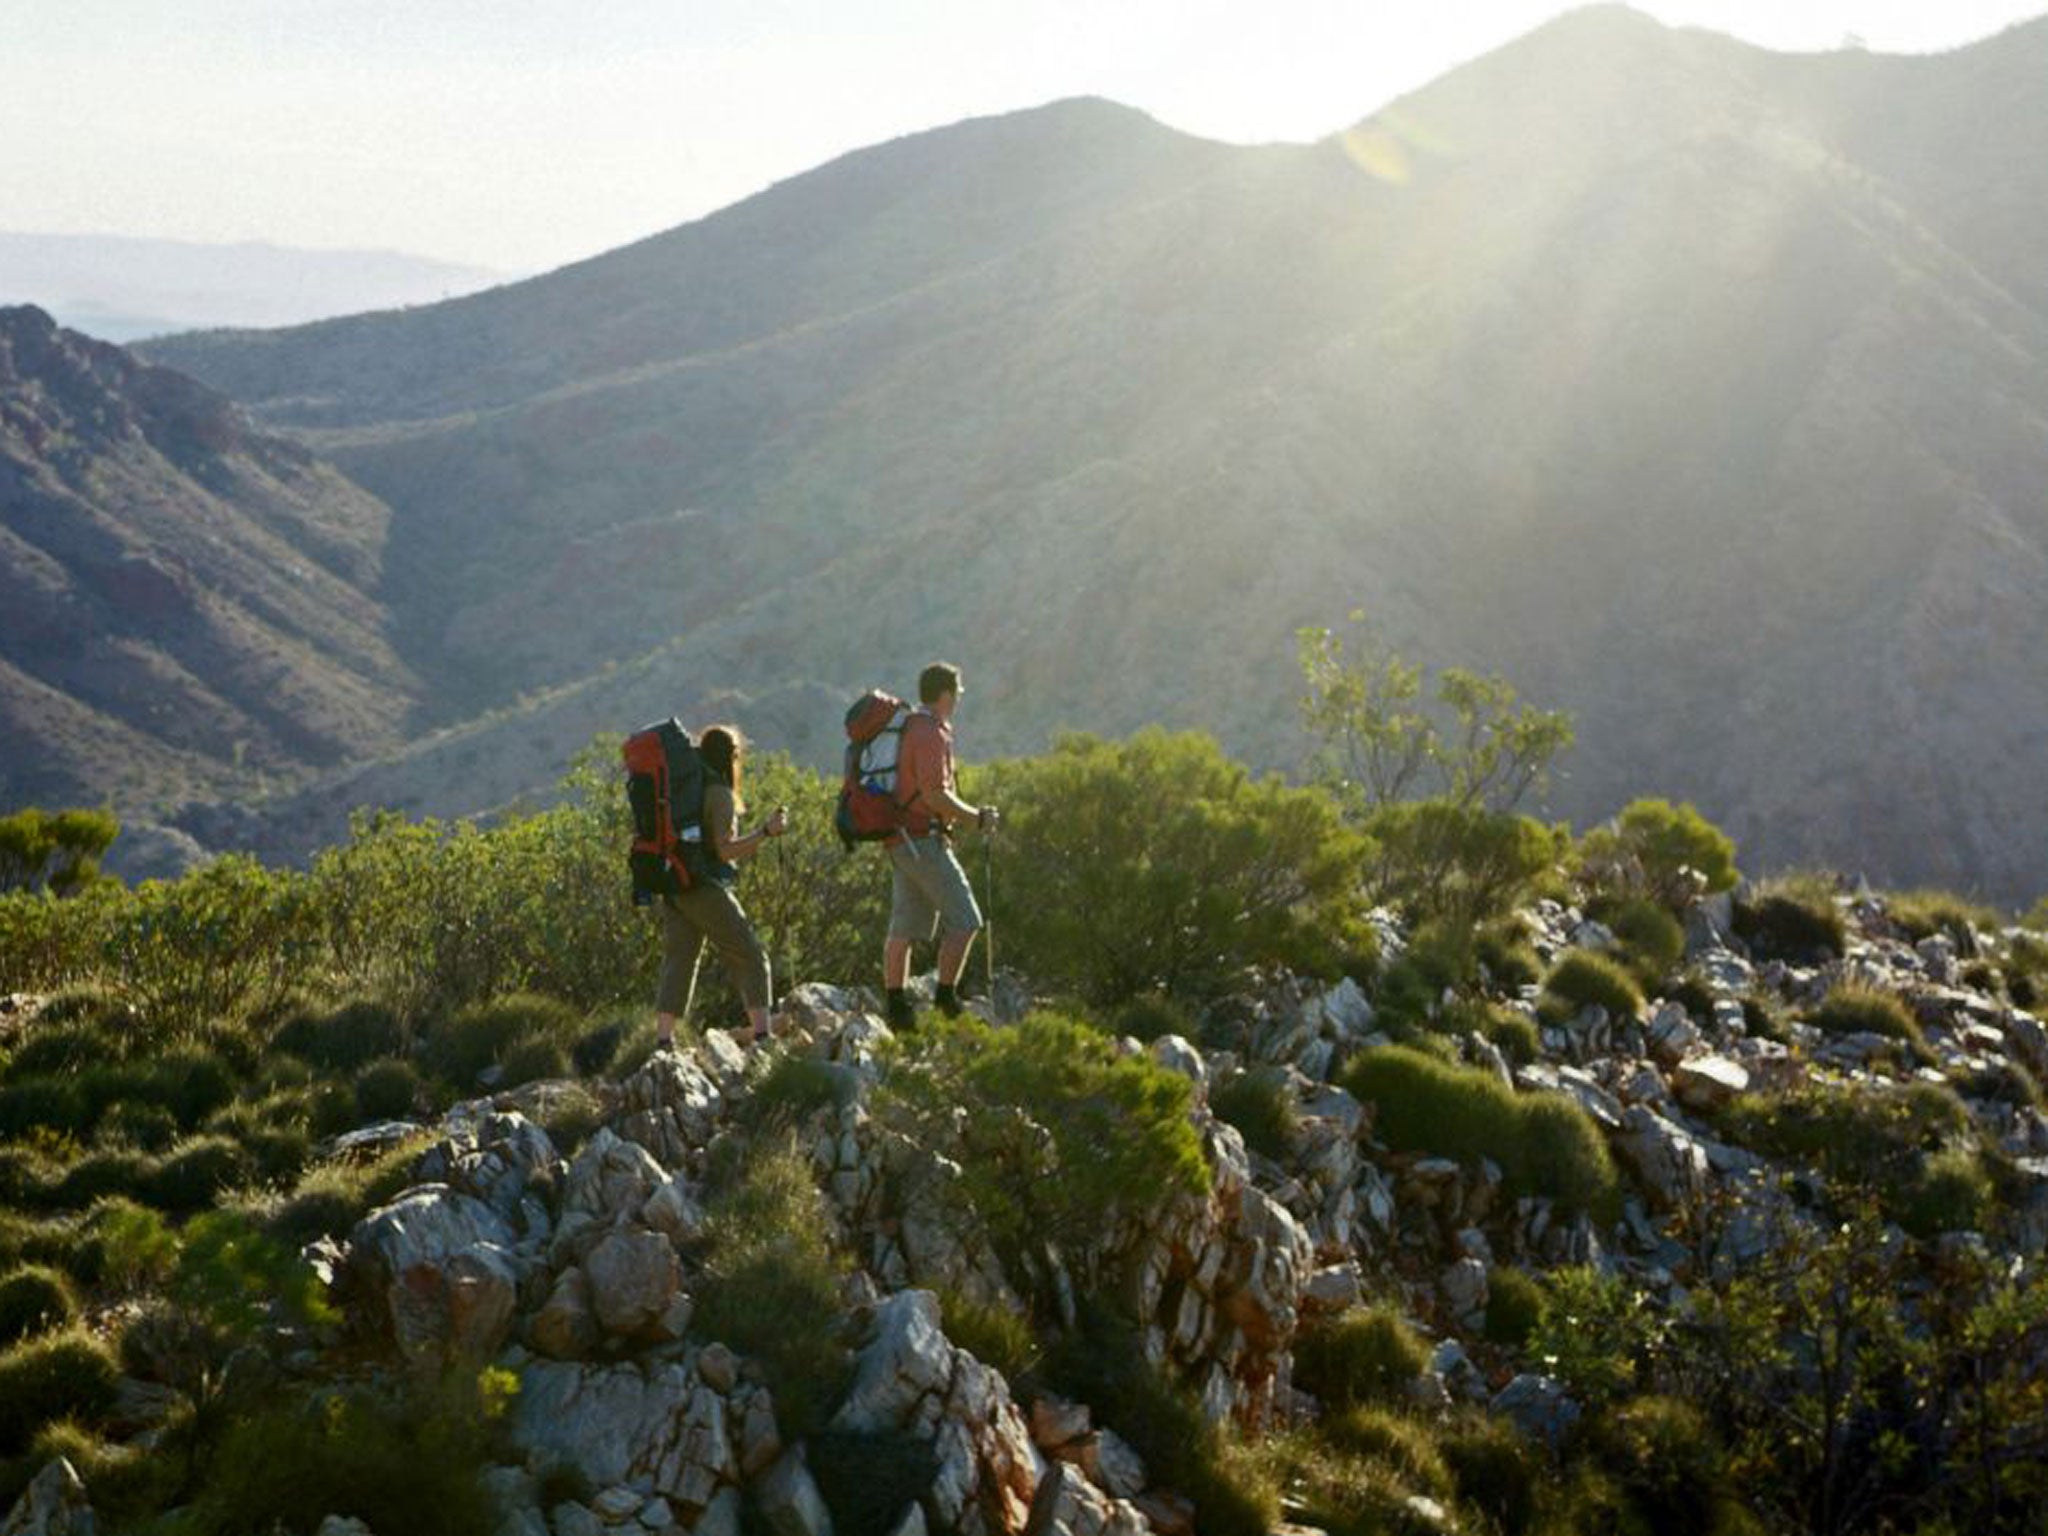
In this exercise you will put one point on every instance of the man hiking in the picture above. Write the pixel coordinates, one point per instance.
(928, 888)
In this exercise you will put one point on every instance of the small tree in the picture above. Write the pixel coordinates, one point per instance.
(1668, 853)
(56, 851)
(1476, 747)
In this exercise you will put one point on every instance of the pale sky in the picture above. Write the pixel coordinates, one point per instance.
(520, 134)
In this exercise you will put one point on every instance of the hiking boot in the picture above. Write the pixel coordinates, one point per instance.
(947, 1001)
(897, 1012)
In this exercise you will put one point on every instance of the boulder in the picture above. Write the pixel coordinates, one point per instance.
(789, 1501)
(1706, 1083)
(657, 1427)
(905, 1362)
(53, 1505)
(633, 1277)
(1672, 1034)
(1066, 1504)
(611, 1179)
(1671, 1163)
(671, 1106)
(1463, 1287)
(438, 1269)
(1538, 1406)
(1177, 1055)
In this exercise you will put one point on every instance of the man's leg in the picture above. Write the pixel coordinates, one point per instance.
(954, 898)
(896, 963)
(911, 912)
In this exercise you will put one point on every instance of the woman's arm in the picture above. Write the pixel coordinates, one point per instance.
(728, 845)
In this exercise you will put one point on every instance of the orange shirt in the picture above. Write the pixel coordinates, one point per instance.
(924, 766)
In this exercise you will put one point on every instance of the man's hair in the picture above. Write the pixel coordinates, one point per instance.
(936, 681)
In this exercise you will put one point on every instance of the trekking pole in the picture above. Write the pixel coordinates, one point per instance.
(988, 916)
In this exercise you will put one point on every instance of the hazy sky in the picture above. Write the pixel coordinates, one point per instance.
(519, 134)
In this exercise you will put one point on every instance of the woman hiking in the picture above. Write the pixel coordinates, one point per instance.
(709, 911)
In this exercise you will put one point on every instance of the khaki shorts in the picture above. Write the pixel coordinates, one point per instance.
(927, 887)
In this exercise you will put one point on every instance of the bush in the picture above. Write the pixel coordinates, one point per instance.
(1666, 1459)
(1543, 1143)
(344, 1038)
(388, 1090)
(1581, 980)
(769, 1286)
(225, 938)
(1858, 1010)
(1054, 1134)
(1512, 1032)
(34, 1299)
(57, 1376)
(1102, 1363)
(1503, 948)
(1926, 912)
(1794, 919)
(1344, 1493)
(1394, 1440)
(795, 1088)
(333, 1197)
(1442, 861)
(535, 1061)
(1366, 1355)
(1652, 940)
(991, 1332)
(125, 1484)
(1655, 849)
(193, 1174)
(405, 1464)
(1496, 1471)
(1150, 1016)
(141, 1127)
(459, 1049)
(1157, 863)
(1514, 1304)
(869, 1480)
(1260, 1103)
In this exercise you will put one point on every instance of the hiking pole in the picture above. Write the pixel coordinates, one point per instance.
(988, 916)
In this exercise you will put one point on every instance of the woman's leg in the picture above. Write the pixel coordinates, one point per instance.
(715, 910)
(682, 945)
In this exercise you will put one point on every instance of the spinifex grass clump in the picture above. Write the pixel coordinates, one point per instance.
(1794, 919)
(1543, 1143)
(1260, 1103)
(1581, 979)
(1366, 1355)
(34, 1299)
(1925, 912)
(55, 1376)
(1858, 1010)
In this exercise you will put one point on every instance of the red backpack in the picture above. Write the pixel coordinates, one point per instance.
(868, 809)
(665, 788)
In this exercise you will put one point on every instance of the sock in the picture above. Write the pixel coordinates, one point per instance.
(947, 1000)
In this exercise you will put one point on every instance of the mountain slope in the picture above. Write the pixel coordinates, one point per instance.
(188, 601)
(1662, 373)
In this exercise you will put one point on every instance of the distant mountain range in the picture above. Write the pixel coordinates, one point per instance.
(1701, 390)
(119, 288)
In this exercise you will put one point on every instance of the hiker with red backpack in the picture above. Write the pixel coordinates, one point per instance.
(687, 849)
(928, 889)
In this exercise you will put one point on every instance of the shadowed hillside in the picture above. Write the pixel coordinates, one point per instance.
(1703, 390)
(185, 602)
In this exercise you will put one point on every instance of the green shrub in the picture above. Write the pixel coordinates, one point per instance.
(1260, 1103)
(1652, 940)
(1503, 948)
(1764, 1017)
(56, 1376)
(1906, 1147)
(1151, 1015)
(1495, 1470)
(51, 1103)
(795, 1088)
(1925, 912)
(595, 1048)
(34, 1299)
(1692, 993)
(1461, 865)
(1858, 1010)
(1514, 1305)
(223, 939)
(1653, 849)
(127, 1246)
(769, 1286)
(483, 1034)
(1343, 1493)
(140, 1127)
(991, 1332)
(388, 1090)
(1441, 956)
(343, 1038)
(1102, 1363)
(1794, 919)
(1396, 1440)
(125, 1484)
(1158, 863)
(535, 1061)
(869, 1480)
(406, 1464)
(192, 1174)
(1510, 1030)
(1668, 1461)
(1580, 979)
(1543, 1143)
(331, 1198)
(1053, 1132)
(1368, 1354)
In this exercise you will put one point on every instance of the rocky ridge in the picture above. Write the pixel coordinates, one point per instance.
(576, 1272)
